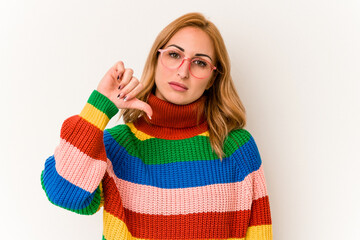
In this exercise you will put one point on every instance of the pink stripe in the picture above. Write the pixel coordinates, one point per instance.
(212, 198)
(77, 167)
(259, 186)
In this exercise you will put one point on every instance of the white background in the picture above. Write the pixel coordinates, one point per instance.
(295, 64)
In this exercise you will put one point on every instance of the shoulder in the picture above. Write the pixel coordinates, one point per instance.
(237, 138)
(242, 148)
(118, 131)
(240, 134)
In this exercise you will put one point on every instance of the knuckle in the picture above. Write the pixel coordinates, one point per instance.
(128, 96)
(135, 79)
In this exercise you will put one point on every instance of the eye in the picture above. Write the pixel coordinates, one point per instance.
(200, 63)
(174, 54)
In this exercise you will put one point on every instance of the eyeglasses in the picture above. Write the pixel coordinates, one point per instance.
(173, 59)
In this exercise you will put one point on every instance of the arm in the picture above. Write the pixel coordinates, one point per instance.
(72, 176)
(259, 226)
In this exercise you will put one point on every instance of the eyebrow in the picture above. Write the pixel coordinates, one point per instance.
(198, 54)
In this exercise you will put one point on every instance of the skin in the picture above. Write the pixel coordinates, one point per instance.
(193, 41)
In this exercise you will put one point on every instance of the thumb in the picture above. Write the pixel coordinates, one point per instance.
(138, 104)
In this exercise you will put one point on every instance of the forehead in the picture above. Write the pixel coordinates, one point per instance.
(193, 40)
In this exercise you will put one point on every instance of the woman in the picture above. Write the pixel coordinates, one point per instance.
(186, 169)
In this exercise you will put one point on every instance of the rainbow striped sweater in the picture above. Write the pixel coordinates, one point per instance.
(158, 178)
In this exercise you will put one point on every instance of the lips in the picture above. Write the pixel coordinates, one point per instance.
(178, 85)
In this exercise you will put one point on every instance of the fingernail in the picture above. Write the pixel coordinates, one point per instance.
(119, 86)
(149, 116)
(125, 98)
(118, 96)
(118, 78)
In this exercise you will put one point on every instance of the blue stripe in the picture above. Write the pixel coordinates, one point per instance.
(62, 192)
(235, 168)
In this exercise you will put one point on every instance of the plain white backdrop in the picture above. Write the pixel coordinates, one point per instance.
(296, 66)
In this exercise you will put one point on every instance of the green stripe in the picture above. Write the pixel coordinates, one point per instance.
(103, 103)
(161, 151)
(89, 210)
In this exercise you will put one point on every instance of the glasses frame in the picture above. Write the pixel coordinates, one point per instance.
(183, 60)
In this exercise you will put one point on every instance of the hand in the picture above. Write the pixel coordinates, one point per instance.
(121, 87)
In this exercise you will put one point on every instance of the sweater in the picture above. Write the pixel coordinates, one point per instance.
(158, 178)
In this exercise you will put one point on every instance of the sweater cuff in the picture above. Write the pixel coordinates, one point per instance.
(99, 110)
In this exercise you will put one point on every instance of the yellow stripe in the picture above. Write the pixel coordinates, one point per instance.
(263, 232)
(138, 134)
(94, 116)
(206, 134)
(115, 228)
(143, 136)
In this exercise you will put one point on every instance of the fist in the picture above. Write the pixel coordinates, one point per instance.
(121, 87)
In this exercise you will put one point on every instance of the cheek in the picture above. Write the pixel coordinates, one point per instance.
(203, 84)
(161, 74)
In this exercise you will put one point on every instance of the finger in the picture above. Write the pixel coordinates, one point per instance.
(130, 87)
(143, 106)
(119, 70)
(132, 94)
(126, 77)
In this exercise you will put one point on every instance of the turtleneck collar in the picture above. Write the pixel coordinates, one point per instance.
(172, 121)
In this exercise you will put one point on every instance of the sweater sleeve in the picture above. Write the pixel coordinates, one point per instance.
(249, 160)
(72, 176)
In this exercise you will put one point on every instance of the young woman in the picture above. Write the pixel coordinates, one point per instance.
(182, 166)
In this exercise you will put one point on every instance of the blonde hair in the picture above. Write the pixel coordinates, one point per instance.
(223, 108)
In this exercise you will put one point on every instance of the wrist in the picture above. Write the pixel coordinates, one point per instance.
(99, 110)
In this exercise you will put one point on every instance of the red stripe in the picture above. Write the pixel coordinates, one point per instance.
(112, 201)
(204, 225)
(84, 136)
(169, 133)
(260, 212)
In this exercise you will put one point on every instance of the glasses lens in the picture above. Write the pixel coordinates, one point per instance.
(199, 67)
(172, 58)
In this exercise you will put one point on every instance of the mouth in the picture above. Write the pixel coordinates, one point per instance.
(178, 86)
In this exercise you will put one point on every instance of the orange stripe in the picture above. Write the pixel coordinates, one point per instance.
(115, 229)
(84, 136)
(112, 201)
(169, 133)
(208, 225)
(260, 212)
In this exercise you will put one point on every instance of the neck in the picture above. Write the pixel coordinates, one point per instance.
(171, 121)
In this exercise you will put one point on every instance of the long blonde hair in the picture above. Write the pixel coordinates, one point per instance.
(223, 108)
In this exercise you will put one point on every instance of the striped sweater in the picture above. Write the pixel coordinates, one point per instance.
(158, 178)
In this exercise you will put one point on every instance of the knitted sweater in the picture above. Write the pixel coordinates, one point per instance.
(158, 179)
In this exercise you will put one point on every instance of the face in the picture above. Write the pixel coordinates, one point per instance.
(178, 86)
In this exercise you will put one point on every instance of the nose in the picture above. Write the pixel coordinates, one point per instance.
(183, 70)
